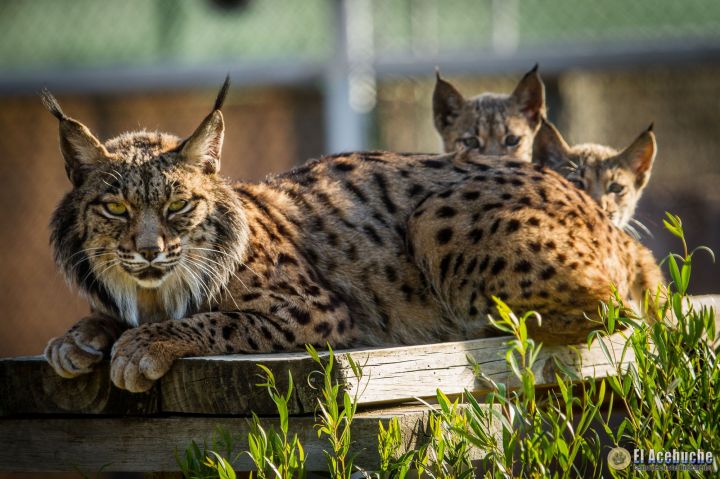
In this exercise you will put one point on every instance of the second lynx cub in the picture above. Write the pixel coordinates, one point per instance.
(492, 124)
(615, 180)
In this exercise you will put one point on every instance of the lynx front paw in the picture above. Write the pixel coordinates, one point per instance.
(143, 355)
(83, 346)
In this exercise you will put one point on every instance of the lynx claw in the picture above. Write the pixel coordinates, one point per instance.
(83, 346)
(136, 363)
(70, 359)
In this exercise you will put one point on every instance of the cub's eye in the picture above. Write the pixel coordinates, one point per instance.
(512, 140)
(471, 142)
(616, 188)
(578, 183)
(176, 206)
(115, 208)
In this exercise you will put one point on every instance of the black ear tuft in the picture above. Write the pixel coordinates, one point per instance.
(52, 104)
(222, 94)
(535, 68)
(651, 127)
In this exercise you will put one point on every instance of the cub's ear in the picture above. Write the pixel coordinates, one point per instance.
(204, 145)
(549, 147)
(78, 145)
(447, 102)
(529, 95)
(639, 156)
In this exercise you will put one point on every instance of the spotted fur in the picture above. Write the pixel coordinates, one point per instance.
(614, 179)
(339, 251)
(490, 124)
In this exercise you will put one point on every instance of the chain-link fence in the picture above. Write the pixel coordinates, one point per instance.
(121, 66)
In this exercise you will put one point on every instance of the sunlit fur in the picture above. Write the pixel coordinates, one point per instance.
(614, 179)
(488, 122)
(203, 245)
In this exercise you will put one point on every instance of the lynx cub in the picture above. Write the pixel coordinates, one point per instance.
(491, 124)
(615, 180)
(354, 249)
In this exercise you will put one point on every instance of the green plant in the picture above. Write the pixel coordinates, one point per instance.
(336, 412)
(276, 454)
(671, 392)
(205, 463)
(538, 437)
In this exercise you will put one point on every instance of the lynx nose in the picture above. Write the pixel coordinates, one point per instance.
(150, 252)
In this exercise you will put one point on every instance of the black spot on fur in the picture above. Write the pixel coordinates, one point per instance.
(324, 328)
(299, 315)
(484, 264)
(407, 291)
(344, 166)
(492, 206)
(473, 311)
(471, 195)
(516, 182)
(475, 235)
(446, 212)
(445, 194)
(415, 190)
(458, 263)
(547, 273)
(250, 296)
(384, 194)
(228, 330)
(471, 266)
(535, 247)
(534, 221)
(498, 265)
(390, 273)
(523, 266)
(356, 191)
(284, 258)
(373, 235)
(444, 266)
(512, 226)
(444, 236)
(494, 227)
(435, 164)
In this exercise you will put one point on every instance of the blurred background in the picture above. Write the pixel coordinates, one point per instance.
(320, 76)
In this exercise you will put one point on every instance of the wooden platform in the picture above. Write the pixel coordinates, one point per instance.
(52, 424)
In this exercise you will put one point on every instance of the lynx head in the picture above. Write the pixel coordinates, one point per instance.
(148, 216)
(491, 124)
(615, 180)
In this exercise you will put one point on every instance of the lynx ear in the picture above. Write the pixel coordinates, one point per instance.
(78, 145)
(447, 102)
(204, 145)
(549, 147)
(529, 94)
(639, 156)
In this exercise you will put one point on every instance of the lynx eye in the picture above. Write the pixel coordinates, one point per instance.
(471, 142)
(578, 183)
(176, 206)
(512, 140)
(115, 208)
(616, 188)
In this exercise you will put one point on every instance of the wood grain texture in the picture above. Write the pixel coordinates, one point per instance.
(28, 385)
(225, 385)
(149, 444)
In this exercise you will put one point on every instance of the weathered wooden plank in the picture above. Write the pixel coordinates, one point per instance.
(149, 444)
(225, 385)
(28, 385)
